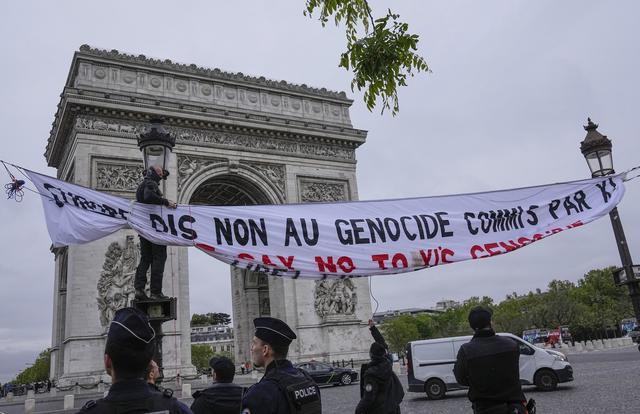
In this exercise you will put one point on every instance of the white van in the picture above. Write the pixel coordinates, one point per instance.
(430, 365)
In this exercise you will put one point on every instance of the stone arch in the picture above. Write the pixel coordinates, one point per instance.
(259, 187)
(236, 185)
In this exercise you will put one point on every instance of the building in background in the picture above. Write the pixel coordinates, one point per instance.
(218, 337)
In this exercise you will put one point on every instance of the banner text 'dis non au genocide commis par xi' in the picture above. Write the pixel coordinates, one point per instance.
(348, 239)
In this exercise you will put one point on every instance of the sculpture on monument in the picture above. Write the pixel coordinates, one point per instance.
(335, 297)
(115, 286)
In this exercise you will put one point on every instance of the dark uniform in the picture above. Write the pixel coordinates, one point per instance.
(135, 396)
(489, 366)
(284, 389)
(223, 397)
(380, 390)
(130, 331)
(151, 254)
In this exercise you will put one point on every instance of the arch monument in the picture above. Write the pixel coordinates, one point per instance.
(240, 140)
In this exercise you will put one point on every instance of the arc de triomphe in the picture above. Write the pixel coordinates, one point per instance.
(240, 140)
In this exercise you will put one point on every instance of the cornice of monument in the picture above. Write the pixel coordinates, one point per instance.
(216, 74)
(303, 135)
(140, 87)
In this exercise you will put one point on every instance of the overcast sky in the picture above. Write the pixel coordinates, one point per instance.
(512, 84)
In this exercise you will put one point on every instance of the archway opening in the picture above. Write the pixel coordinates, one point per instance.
(209, 284)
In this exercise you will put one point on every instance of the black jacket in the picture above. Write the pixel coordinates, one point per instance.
(134, 396)
(375, 390)
(148, 191)
(489, 365)
(220, 398)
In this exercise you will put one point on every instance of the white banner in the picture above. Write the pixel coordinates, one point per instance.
(347, 239)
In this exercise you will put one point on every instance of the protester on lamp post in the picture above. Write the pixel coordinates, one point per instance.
(489, 366)
(151, 254)
(284, 389)
(128, 352)
(223, 397)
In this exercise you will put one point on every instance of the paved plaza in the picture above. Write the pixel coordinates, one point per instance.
(604, 381)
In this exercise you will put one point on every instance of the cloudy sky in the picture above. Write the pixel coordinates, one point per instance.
(512, 84)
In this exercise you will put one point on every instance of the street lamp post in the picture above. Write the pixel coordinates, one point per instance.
(156, 144)
(596, 149)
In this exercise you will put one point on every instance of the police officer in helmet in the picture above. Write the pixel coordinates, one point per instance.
(284, 389)
(130, 347)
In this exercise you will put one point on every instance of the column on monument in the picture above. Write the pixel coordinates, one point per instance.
(59, 313)
(246, 307)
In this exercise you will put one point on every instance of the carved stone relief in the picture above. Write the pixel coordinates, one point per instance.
(189, 165)
(273, 172)
(115, 285)
(205, 136)
(118, 177)
(319, 191)
(335, 297)
(213, 73)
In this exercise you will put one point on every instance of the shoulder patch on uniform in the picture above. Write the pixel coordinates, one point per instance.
(246, 411)
(89, 405)
(168, 392)
(368, 387)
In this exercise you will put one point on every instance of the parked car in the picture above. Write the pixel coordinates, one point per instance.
(324, 374)
(635, 334)
(430, 365)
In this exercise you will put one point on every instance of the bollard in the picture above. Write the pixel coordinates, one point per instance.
(607, 343)
(69, 402)
(186, 390)
(204, 379)
(254, 374)
(31, 394)
(578, 347)
(30, 405)
(589, 345)
(9, 397)
(53, 392)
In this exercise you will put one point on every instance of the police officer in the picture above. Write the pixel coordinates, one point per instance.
(489, 366)
(152, 375)
(223, 397)
(130, 347)
(151, 254)
(284, 389)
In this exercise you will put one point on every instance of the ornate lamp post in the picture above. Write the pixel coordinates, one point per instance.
(596, 149)
(156, 144)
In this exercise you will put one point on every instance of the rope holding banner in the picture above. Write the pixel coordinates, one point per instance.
(373, 297)
(626, 179)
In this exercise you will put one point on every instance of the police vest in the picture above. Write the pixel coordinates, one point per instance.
(156, 403)
(300, 390)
